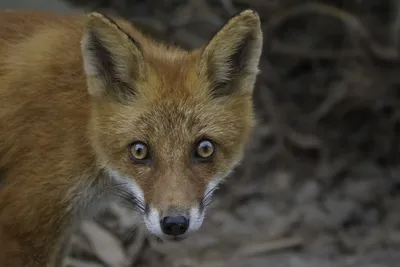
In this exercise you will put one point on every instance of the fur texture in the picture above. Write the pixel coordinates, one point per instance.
(113, 238)
(77, 90)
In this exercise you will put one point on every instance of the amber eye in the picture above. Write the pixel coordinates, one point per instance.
(138, 151)
(205, 149)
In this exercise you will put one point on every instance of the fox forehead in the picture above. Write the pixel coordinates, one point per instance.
(172, 77)
(173, 101)
(174, 119)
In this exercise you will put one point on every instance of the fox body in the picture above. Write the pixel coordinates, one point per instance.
(91, 109)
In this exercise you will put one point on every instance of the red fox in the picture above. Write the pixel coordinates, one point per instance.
(93, 109)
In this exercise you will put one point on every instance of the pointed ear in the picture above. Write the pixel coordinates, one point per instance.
(112, 60)
(230, 60)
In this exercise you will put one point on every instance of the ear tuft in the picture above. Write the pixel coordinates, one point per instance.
(112, 59)
(230, 60)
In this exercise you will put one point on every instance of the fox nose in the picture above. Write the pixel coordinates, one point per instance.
(174, 225)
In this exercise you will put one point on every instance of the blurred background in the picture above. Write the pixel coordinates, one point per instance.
(320, 183)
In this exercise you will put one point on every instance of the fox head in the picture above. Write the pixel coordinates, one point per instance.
(167, 123)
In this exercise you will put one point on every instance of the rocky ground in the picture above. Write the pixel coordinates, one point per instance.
(320, 185)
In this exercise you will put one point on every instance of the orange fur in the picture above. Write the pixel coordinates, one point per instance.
(60, 127)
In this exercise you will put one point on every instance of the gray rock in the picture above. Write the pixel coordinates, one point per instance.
(315, 218)
(308, 192)
(341, 210)
(257, 212)
(365, 190)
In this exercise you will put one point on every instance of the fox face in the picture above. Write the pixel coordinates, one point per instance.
(168, 124)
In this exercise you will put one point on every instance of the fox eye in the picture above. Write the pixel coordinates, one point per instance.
(205, 149)
(138, 151)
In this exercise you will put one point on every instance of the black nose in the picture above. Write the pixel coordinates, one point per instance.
(174, 225)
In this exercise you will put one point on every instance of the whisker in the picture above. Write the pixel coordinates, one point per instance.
(128, 204)
(207, 200)
(131, 199)
(120, 191)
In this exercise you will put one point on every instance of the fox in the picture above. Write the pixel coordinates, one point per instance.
(92, 109)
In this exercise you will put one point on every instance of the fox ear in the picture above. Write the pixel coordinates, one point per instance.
(112, 60)
(230, 60)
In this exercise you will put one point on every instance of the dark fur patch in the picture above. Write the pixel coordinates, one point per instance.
(240, 59)
(201, 206)
(2, 178)
(107, 70)
(237, 63)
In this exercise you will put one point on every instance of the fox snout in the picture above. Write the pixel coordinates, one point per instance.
(174, 226)
(170, 214)
(174, 222)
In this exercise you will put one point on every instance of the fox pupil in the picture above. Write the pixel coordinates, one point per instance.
(205, 149)
(139, 150)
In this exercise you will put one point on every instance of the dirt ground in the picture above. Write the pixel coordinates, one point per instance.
(320, 183)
